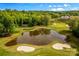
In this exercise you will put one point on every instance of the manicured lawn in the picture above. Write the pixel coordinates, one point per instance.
(59, 26)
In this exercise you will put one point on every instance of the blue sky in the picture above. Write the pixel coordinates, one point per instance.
(40, 6)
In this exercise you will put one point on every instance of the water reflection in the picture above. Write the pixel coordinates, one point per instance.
(39, 31)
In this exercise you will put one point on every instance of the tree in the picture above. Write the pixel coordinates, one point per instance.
(45, 20)
(75, 28)
(8, 23)
(1, 28)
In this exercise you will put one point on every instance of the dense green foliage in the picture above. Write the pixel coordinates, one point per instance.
(9, 19)
(75, 28)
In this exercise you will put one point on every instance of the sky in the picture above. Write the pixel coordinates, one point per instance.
(40, 6)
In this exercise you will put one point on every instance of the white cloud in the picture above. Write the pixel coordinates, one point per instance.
(60, 9)
(57, 6)
(57, 9)
(66, 5)
(50, 5)
(74, 9)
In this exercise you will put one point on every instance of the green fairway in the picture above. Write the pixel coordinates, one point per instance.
(59, 26)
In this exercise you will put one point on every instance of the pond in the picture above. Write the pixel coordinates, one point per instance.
(39, 36)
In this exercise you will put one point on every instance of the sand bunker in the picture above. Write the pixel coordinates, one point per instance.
(59, 46)
(25, 48)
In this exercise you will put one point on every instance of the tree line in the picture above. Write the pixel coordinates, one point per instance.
(10, 19)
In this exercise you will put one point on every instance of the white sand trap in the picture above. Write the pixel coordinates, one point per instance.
(26, 49)
(66, 46)
(59, 46)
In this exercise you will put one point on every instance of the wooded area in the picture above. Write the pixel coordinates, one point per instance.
(10, 19)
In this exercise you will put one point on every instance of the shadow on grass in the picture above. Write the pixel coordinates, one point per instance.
(72, 40)
(11, 43)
